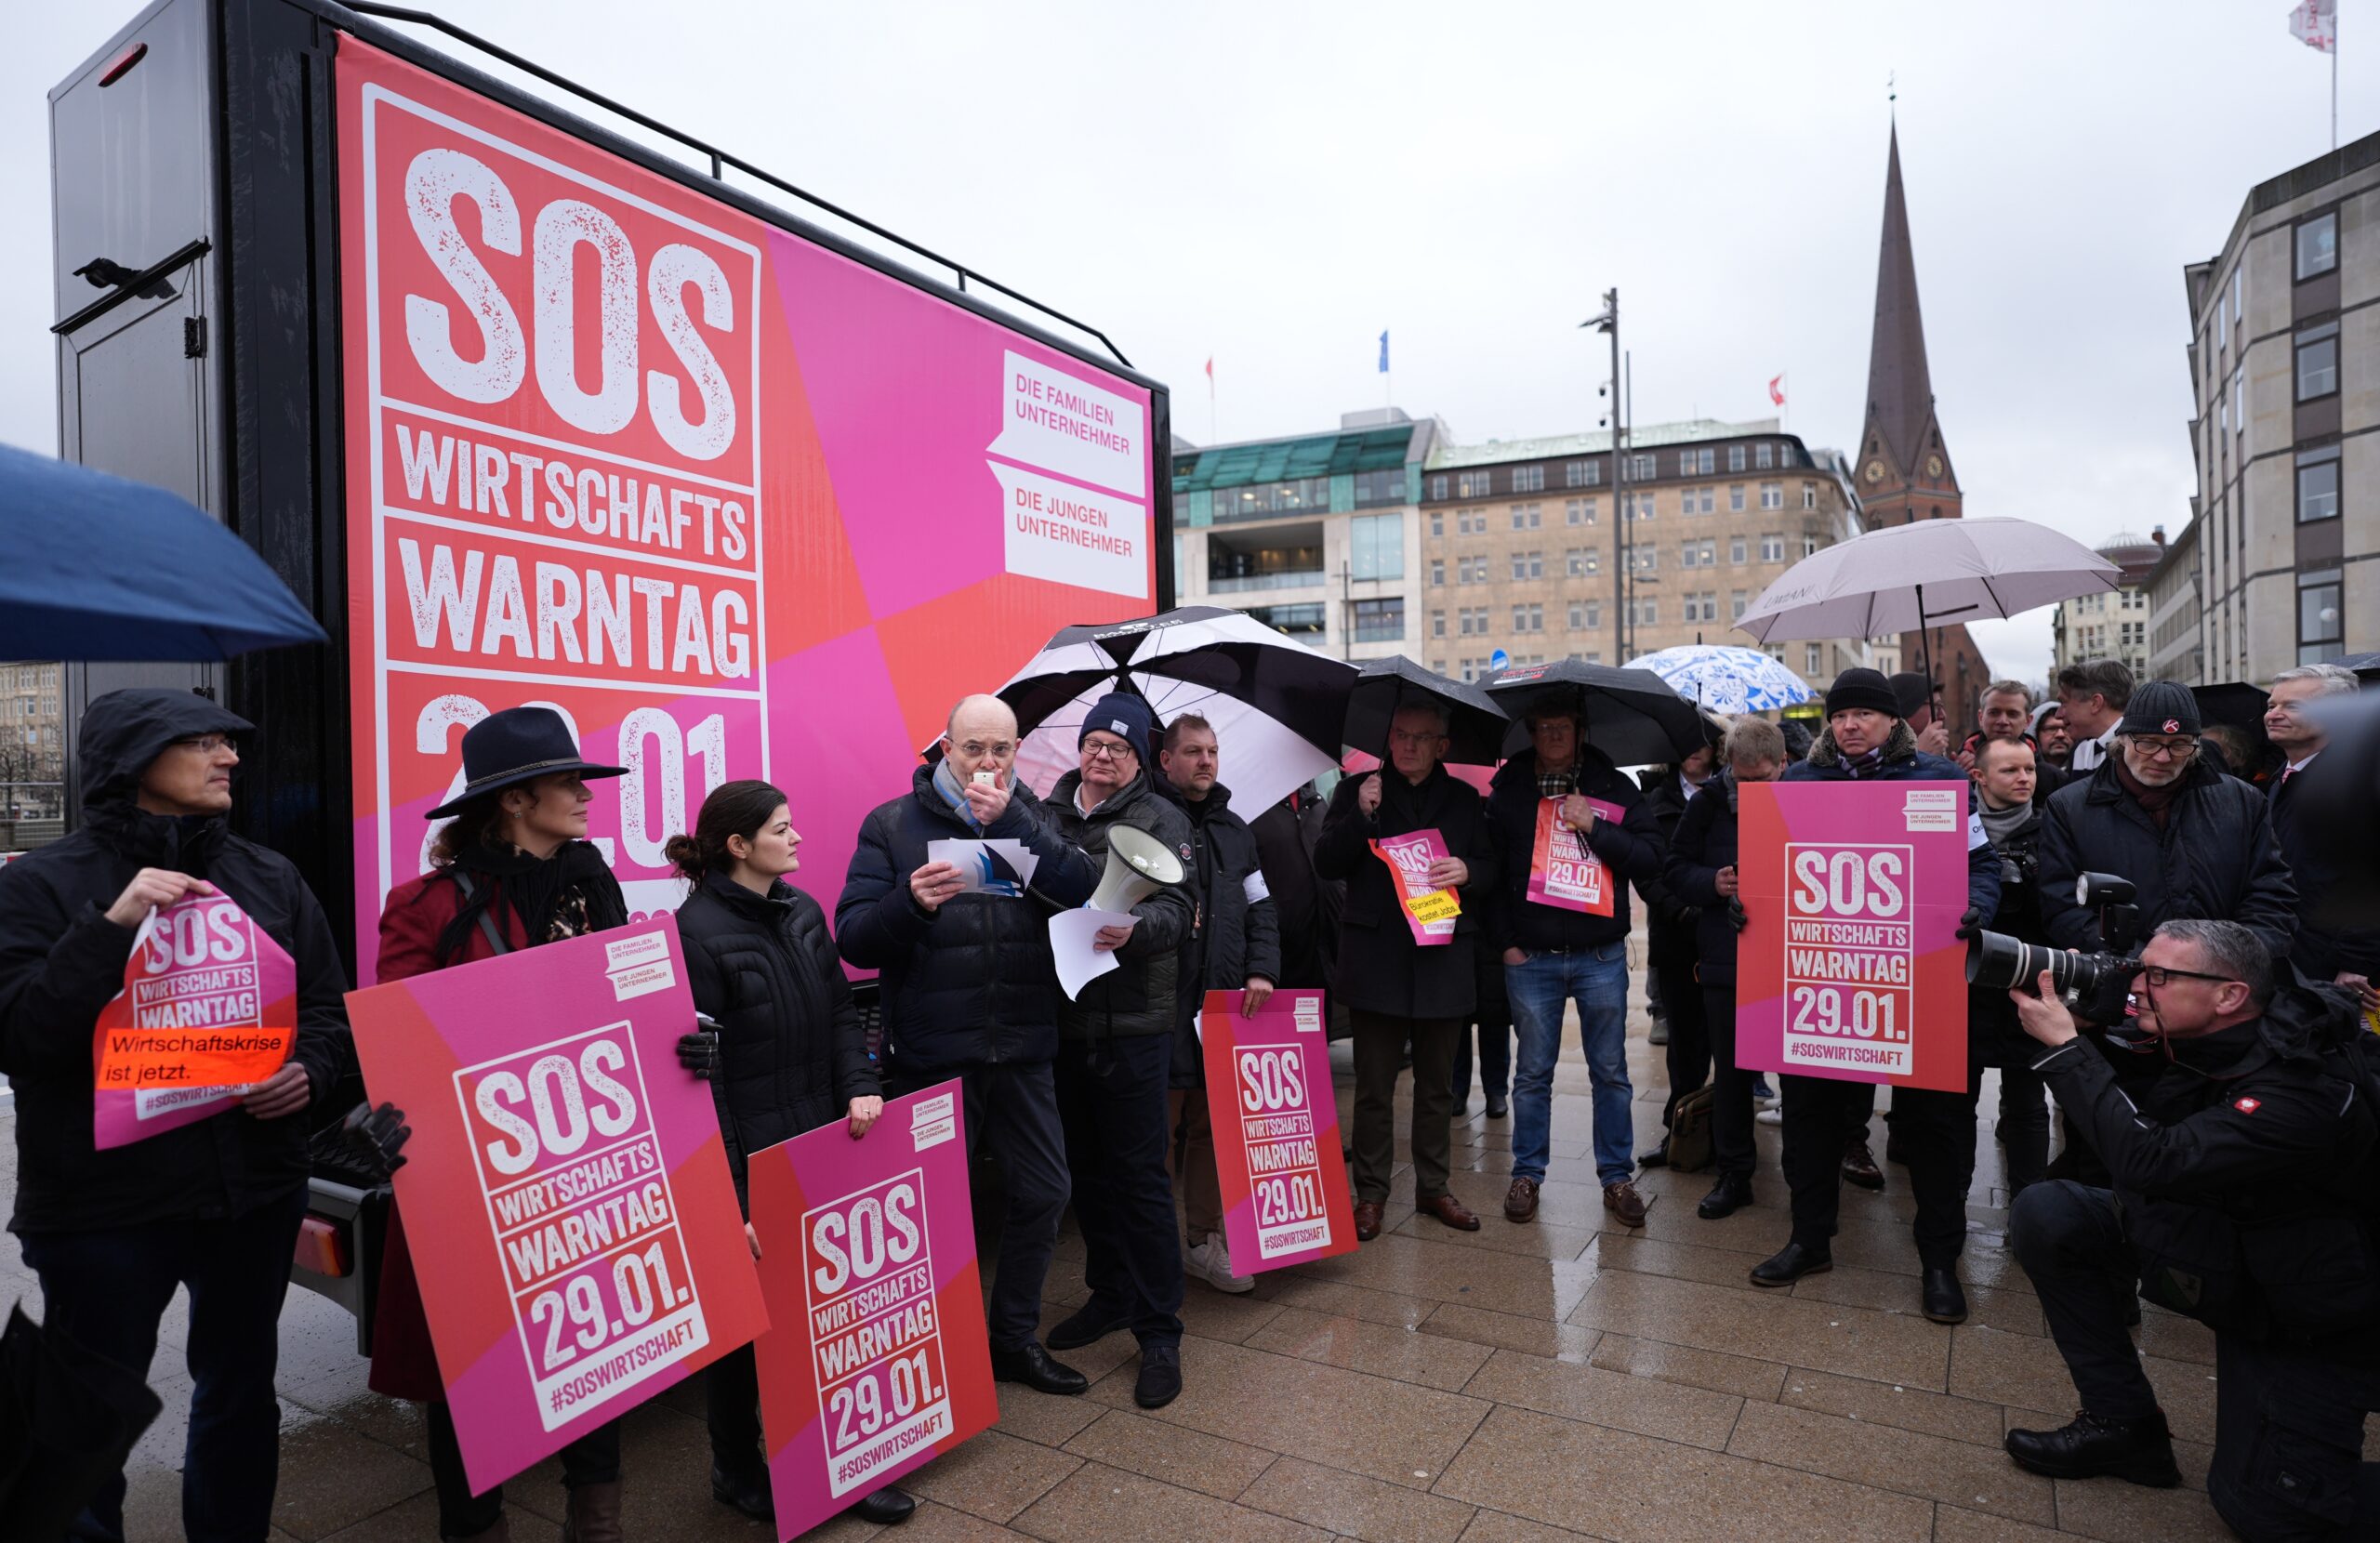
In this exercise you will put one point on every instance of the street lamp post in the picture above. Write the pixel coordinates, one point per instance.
(1608, 323)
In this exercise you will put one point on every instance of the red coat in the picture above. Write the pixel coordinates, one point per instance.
(403, 1363)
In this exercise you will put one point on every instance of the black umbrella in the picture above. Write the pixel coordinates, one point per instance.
(1275, 704)
(2366, 665)
(1475, 723)
(1632, 716)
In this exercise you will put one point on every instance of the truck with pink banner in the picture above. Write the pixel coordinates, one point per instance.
(533, 397)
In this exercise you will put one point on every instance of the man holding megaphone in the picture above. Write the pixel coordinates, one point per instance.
(1116, 1045)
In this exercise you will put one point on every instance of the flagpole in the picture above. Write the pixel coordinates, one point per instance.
(2335, 82)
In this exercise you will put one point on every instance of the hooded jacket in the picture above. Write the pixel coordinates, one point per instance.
(1236, 931)
(793, 1055)
(62, 960)
(1903, 761)
(972, 982)
(1379, 967)
(1137, 997)
(2243, 1169)
(2215, 860)
(1630, 847)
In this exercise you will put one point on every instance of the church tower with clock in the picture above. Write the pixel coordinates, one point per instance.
(1904, 471)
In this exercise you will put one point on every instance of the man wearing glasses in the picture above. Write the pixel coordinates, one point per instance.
(2194, 842)
(2239, 1195)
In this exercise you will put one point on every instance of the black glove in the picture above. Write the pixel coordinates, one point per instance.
(380, 1133)
(1736, 916)
(698, 1052)
(1969, 924)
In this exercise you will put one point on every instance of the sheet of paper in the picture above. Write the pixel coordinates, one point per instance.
(1078, 962)
(999, 867)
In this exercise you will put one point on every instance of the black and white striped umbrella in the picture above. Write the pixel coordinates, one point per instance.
(1276, 705)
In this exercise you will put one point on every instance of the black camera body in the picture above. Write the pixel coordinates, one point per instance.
(2094, 986)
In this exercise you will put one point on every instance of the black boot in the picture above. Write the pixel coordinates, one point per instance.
(2138, 1450)
(887, 1507)
(1791, 1263)
(1942, 1298)
(747, 1492)
(1092, 1321)
(1731, 1195)
(1030, 1364)
(1656, 1158)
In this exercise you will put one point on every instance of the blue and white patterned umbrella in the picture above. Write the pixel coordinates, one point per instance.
(1721, 678)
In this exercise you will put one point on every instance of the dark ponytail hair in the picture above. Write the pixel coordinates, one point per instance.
(734, 809)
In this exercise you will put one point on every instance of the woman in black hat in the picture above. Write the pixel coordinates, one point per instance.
(511, 870)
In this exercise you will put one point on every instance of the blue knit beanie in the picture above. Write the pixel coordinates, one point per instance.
(1126, 716)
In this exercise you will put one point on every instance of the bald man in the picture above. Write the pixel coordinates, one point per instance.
(968, 991)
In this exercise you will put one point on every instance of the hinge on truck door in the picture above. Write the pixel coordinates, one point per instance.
(193, 337)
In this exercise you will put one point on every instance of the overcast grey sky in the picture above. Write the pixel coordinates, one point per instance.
(1272, 184)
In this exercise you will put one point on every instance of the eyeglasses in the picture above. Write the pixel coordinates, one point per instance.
(2158, 976)
(2167, 749)
(1100, 750)
(977, 751)
(206, 745)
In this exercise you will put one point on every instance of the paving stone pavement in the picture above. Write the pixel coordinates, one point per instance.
(1568, 1379)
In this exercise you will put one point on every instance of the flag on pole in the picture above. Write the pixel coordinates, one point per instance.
(1384, 353)
(1210, 369)
(2316, 24)
(1777, 389)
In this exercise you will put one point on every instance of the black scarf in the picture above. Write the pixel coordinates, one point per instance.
(534, 890)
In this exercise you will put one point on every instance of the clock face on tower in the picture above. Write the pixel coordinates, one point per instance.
(1875, 471)
(1933, 466)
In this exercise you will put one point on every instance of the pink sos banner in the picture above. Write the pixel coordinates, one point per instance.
(1276, 1126)
(1849, 966)
(719, 493)
(1563, 870)
(876, 1358)
(565, 1194)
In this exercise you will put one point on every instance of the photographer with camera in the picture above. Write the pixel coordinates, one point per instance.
(2193, 842)
(2240, 1195)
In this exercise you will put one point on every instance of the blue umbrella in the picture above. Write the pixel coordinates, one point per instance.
(1721, 678)
(96, 567)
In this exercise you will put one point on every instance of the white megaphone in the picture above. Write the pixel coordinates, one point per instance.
(1138, 865)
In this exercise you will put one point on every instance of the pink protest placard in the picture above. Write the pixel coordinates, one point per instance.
(1849, 966)
(565, 1194)
(1429, 910)
(209, 1006)
(1276, 1124)
(876, 1358)
(1563, 870)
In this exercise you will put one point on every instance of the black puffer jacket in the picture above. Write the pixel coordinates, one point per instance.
(1238, 932)
(1137, 997)
(1669, 921)
(2215, 860)
(62, 960)
(972, 982)
(1704, 843)
(2243, 1169)
(1379, 967)
(1630, 847)
(793, 1055)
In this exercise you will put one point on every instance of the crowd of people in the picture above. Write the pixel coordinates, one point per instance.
(2218, 1146)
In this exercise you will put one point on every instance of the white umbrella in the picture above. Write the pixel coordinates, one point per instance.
(1928, 574)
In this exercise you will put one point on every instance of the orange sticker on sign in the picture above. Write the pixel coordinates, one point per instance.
(209, 1000)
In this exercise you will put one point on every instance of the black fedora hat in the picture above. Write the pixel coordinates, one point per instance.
(518, 745)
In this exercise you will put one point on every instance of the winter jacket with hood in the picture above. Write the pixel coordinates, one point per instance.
(793, 1054)
(2243, 1167)
(1630, 847)
(972, 982)
(2215, 860)
(1137, 997)
(1903, 761)
(1379, 967)
(62, 960)
(1237, 929)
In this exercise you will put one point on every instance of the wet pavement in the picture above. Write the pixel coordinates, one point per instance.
(1570, 1379)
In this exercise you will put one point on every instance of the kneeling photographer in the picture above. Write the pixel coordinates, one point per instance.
(2241, 1195)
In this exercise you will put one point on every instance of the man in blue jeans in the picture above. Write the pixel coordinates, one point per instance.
(1559, 950)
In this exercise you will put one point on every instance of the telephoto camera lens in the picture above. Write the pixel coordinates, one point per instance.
(2004, 963)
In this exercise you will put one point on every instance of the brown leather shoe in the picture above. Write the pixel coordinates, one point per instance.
(1520, 1201)
(592, 1515)
(1859, 1166)
(1622, 1201)
(1446, 1209)
(1366, 1221)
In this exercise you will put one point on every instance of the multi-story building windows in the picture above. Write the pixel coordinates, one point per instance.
(1437, 522)
(2318, 484)
(1528, 517)
(1763, 456)
(1813, 659)
(1582, 474)
(1643, 468)
(1772, 496)
(1772, 545)
(2318, 361)
(1809, 543)
(2318, 246)
(1474, 484)
(1528, 565)
(1809, 496)
(1379, 621)
(1437, 628)
(1644, 505)
(1529, 618)
(1736, 548)
(1643, 557)
(1736, 495)
(1528, 479)
(1585, 614)
(1376, 547)
(1437, 571)
(1699, 554)
(1736, 604)
(2319, 622)
(1578, 512)
(1437, 488)
(1645, 611)
(1700, 500)
(1735, 457)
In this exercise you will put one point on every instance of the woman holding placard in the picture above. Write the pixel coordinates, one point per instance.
(792, 1057)
(511, 870)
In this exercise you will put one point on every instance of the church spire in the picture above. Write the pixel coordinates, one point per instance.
(1900, 390)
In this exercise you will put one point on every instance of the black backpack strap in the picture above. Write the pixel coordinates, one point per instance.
(487, 917)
